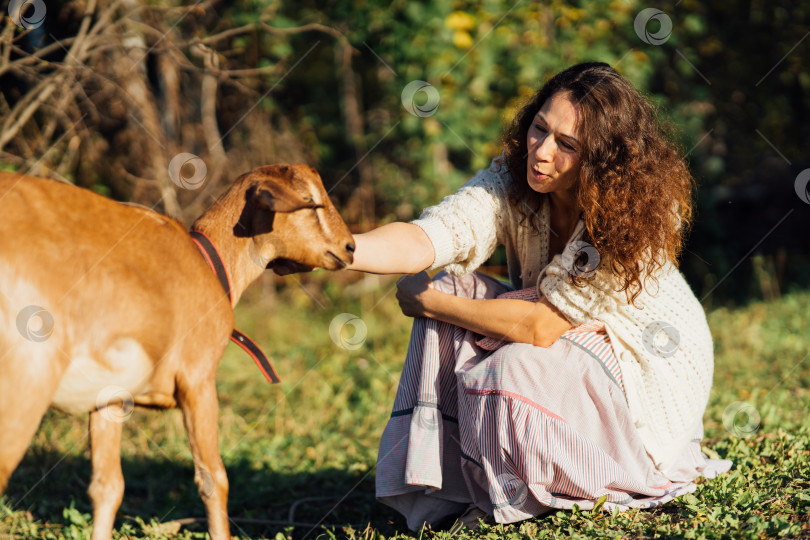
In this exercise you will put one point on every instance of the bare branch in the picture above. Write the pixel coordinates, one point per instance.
(6, 42)
(208, 109)
(274, 30)
(32, 58)
(46, 88)
(101, 74)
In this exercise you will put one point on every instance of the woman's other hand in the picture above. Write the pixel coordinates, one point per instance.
(413, 292)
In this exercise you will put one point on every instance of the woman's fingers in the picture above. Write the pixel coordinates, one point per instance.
(410, 291)
(414, 283)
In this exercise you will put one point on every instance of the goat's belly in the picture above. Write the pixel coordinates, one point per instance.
(95, 381)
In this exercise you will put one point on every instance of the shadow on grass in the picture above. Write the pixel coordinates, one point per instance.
(261, 502)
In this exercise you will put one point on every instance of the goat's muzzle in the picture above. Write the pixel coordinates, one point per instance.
(340, 262)
(331, 261)
(342, 259)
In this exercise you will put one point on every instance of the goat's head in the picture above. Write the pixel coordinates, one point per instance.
(293, 224)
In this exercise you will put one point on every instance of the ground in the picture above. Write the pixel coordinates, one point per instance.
(300, 455)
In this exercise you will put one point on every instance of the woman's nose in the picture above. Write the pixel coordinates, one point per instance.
(544, 149)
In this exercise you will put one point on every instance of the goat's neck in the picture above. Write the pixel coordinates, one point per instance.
(234, 251)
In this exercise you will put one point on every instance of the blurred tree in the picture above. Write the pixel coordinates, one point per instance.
(735, 75)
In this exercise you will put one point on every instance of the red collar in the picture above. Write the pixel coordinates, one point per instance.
(212, 257)
(209, 252)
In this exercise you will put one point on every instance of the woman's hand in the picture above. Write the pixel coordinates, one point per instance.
(413, 292)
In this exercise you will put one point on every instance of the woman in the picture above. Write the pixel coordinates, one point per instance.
(591, 377)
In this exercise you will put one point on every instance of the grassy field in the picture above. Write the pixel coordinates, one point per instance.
(301, 455)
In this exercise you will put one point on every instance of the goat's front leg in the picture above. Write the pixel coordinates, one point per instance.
(200, 415)
(107, 485)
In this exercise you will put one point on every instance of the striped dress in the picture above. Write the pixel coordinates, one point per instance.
(515, 429)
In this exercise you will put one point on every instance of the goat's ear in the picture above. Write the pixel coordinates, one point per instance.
(278, 197)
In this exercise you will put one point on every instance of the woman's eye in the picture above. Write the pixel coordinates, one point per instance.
(538, 127)
(566, 145)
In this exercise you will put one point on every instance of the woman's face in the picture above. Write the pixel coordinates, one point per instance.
(554, 150)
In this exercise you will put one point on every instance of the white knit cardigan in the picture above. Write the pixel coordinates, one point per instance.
(663, 343)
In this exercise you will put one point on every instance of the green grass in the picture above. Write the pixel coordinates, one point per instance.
(301, 455)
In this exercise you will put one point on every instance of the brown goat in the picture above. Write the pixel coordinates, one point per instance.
(105, 305)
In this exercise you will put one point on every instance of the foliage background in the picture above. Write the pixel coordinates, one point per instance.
(104, 94)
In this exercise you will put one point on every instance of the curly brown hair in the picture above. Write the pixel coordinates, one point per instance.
(634, 188)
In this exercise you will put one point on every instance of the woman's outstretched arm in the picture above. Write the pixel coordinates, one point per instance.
(396, 248)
